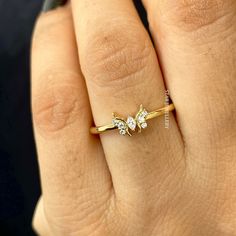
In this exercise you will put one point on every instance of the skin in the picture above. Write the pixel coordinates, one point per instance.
(94, 57)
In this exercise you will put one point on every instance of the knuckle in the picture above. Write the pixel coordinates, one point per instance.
(69, 217)
(115, 56)
(194, 15)
(57, 106)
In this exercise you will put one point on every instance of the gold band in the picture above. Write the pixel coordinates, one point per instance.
(140, 120)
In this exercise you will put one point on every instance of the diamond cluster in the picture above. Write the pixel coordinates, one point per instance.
(131, 123)
(141, 119)
(121, 125)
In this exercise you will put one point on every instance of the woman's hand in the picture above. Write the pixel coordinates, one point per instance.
(100, 59)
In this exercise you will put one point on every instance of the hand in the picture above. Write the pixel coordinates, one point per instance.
(176, 181)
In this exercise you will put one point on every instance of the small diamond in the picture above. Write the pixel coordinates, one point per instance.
(145, 113)
(121, 125)
(131, 123)
(114, 122)
(144, 125)
(141, 119)
(122, 131)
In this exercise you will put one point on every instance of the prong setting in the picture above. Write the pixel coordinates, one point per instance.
(121, 125)
(131, 123)
(141, 118)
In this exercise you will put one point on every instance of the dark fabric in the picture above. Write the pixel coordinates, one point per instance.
(19, 183)
(19, 178)
(51, 4)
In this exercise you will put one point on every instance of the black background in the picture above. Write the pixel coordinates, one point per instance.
(19, 178)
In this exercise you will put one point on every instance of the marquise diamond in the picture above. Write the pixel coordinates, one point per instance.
(131, 123)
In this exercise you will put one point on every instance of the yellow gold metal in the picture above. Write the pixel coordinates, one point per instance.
(149, 116)
(160, 112)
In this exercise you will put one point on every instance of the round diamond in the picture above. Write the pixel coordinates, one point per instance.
(144, 125)
(141, 119)
(121, 125)
(143, 114)
(114, 122)
(122, 131)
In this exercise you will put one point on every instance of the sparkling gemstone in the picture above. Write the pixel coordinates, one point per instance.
(121, 125)
(131, 123)
(144, 125)
(122, 131)
(144, 112)
(141, 119)
(114, 122)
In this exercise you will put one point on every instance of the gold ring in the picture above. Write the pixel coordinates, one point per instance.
(126, 126)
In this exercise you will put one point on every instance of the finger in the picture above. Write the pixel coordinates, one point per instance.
(122, 72)
(196, 45)
(74, 174)
(40, 223)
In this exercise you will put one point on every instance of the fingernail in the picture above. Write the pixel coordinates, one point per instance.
(52, 4)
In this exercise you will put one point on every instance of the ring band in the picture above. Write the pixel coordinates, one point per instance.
(126, 126)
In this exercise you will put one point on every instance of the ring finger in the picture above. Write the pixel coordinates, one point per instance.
(121, 71)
